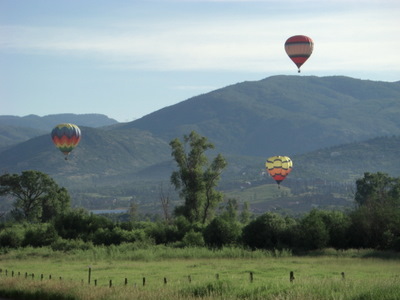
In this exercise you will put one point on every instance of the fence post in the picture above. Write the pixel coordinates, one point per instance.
(89, 274)
(144, 281)
(110, 283)
(291, 276)
(126, 281)
(251, 276)
(165, 280)
(95, 282)
(189, 278)
(343, 276)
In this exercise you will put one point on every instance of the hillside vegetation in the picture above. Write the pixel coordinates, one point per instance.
(334, 128)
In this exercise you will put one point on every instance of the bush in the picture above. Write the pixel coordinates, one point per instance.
(266, 232)
(314, 233)
(11, 237)
(221, 232)
(40, 235)
(68, 245)
(193, 239)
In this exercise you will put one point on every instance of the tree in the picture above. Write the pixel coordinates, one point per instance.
(265, 232)
(196, 178)
(377, 188)
(376, 222)
(222, 232)
(38, 197)
(314, 233)
(245, 215)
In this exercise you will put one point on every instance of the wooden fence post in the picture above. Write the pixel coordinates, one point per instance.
(89, 274)
(291, 276)
(144, 281)
(251, 276)
(110, 283)
(189, 278)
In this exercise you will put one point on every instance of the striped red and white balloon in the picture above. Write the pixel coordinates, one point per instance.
(299, 49)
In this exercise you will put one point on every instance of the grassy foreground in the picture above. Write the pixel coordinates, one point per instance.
(195, 273)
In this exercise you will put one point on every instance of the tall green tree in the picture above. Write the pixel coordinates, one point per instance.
(378, 188)
(196, 178)
(37, 196)
(376, 222)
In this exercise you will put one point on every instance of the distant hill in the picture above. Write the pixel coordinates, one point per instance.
(334, 128)
(283, 114)
(14, 129)
(101, 153)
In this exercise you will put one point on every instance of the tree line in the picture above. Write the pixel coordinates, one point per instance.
(42, 214)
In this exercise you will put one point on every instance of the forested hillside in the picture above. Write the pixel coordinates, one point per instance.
(283, 114)
(334, 129)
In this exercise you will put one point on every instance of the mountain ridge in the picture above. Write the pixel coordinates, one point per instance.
(307, 118)
(16, 129)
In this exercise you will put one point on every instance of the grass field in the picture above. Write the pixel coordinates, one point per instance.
(238, 275)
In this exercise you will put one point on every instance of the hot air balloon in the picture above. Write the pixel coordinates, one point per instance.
(66, 137)
(279, 167)
(299, 49)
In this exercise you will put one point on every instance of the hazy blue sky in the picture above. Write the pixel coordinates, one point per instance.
(127, 59)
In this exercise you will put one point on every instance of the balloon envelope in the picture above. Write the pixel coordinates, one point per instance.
(66, 137)
(299, 49)
(279, 167)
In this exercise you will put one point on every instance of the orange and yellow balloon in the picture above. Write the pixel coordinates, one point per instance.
(66, 137)
(299, 49)
(279, 167)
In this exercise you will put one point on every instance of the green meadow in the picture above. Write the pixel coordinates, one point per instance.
(197, 273)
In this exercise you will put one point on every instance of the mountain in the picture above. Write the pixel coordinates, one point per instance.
(101, 153)
(283, 114)
(334, 128)
(46, 123)
(14, 129)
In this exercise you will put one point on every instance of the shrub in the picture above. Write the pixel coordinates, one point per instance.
(193, 239)
(40, 235)
(221, 232)
(11, 237)
(266, 232)
(68, 245)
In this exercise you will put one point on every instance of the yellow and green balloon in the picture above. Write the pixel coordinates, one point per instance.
(66, 137)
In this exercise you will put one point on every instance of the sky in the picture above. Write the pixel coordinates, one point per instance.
(126, 59)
